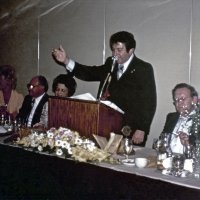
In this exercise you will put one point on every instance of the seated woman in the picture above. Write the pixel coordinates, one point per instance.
(10, 100)
(63, 86)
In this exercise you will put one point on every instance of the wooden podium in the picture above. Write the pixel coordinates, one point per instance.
(83, 116)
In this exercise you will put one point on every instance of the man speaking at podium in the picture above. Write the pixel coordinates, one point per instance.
(124, 80)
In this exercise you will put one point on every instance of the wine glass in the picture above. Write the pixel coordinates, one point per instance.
(188, 151)
(128, 147)
(196, 155)
(156, 144)
(177, 165)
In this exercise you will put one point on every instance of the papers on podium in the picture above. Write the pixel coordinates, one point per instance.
(88, 96)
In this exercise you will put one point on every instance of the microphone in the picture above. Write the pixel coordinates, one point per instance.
(108, 77)
(114, 58)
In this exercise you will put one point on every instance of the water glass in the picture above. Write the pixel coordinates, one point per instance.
(196, 171)
(178, 164)
(128, 147)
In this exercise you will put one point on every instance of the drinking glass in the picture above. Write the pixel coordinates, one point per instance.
(188, 151)
(196, 155)
(156, 144)
(128, 147)
(178, 164)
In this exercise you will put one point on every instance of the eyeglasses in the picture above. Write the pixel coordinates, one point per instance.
(181, 99)
(30, 86)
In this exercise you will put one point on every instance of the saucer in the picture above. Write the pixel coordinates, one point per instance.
(128, 162)
(166, 172)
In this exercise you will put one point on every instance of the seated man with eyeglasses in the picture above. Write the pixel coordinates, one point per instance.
(178, 123)
(33, 103)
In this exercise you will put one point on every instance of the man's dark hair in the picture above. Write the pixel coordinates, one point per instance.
(43, 81)
(125, 38)
(193, 92)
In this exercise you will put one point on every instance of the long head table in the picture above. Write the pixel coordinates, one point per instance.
(31, 175)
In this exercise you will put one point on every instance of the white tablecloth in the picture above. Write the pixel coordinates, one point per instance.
(151, 173)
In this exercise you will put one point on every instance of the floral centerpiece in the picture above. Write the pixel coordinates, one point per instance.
(195, 140)
(195, 128)
(65, 143)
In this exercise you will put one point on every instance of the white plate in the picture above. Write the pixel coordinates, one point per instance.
(128, 162)
(166, 172)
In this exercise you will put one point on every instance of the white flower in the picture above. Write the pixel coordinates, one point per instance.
(34, 143)
(87, 141)
(31, 136)
(91, 147)
(35, 133)
(61, 130)
(50, 134)
(40, 148)
(68, 132)
(59, 152)
(65, 144)
(78, 141)
(69, 150)
(58, 143)
(51, 142)
(40, 136)
(57, 137)
(52, 130)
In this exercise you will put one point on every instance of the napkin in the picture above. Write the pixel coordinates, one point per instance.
(153, 162)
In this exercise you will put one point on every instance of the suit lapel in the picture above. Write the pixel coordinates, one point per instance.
(130, 69)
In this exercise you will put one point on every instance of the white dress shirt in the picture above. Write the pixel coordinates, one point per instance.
(183, 125)
(37, 101)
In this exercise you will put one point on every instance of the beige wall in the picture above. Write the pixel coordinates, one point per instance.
(167, 34)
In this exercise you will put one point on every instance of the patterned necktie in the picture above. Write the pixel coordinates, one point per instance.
(120, 71)
(32, 103)
(27, 121)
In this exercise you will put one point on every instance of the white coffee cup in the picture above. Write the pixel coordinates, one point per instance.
(141, 162)
(188, 165)
(167, 163)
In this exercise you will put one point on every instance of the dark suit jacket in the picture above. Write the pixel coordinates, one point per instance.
(25, 110)
(170, 123)
(134, 92)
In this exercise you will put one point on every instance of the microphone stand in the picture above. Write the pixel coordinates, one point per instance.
(108, 77)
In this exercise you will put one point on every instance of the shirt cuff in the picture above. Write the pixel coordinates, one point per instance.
(70, 66)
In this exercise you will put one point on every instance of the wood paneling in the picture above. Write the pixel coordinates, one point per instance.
(86, 117)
